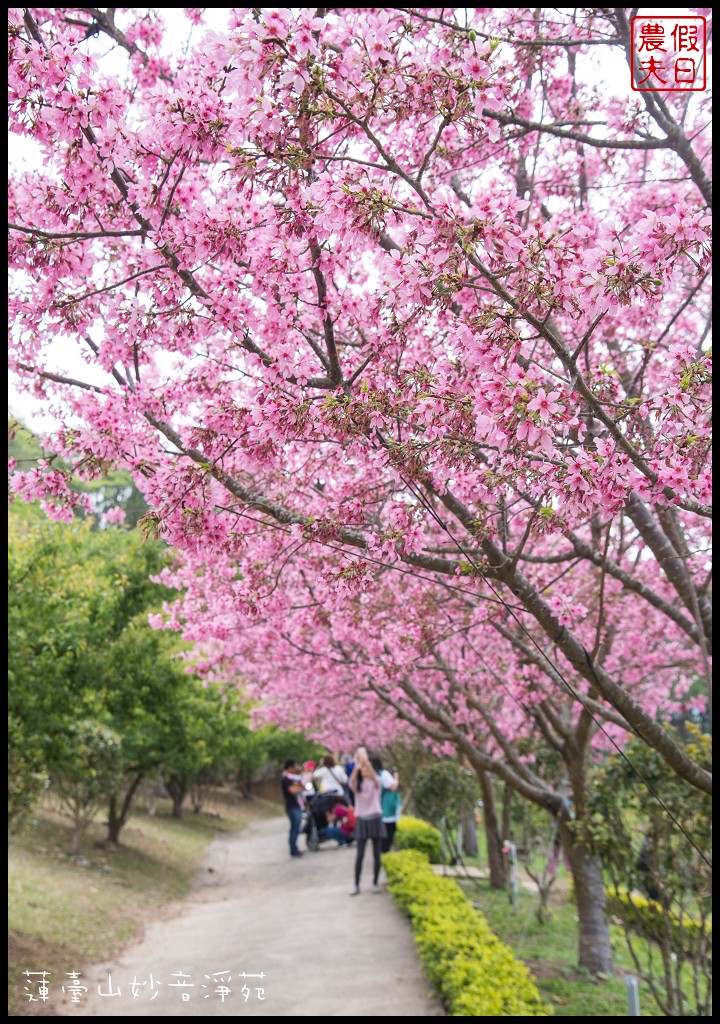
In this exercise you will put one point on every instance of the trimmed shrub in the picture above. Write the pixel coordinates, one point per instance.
(414, 834)
(475, 973)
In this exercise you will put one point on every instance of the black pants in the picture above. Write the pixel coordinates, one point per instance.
(390, 827)
(376, 859)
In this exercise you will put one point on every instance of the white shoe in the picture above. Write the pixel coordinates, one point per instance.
(376, 888)
(355, 891)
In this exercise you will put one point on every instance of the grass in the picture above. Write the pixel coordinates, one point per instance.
(550, 951)
(65, 913)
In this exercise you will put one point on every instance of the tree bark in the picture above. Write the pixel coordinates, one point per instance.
(117, 818)
(469, 838)
(496, 865)
(594, 950)
(506, 809)
(177, 787)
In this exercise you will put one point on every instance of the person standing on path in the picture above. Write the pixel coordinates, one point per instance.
(291, 784)
(391, 803)
(330, 777)
(365, 784)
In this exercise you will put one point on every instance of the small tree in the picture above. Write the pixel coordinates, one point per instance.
(538, 848)
(653, 833)
(75, 650)
(199, 734)
(86, 767)
(446, 795)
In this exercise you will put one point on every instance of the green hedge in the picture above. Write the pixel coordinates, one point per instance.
(475, 973)
(415, 834)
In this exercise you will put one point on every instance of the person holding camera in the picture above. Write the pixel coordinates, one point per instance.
(366, 787)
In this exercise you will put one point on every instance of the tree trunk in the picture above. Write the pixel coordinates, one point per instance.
(244, 782)
(115, 820)
(508, 794)
(496, 864)
(594, 951)
(177, 787)
(469, 838)
(117, 817)
(79, 827)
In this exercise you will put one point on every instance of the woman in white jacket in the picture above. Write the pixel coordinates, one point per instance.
(330, 777)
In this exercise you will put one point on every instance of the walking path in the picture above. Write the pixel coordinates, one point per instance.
(306, 947)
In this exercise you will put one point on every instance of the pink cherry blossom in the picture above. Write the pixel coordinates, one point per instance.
(546, 405)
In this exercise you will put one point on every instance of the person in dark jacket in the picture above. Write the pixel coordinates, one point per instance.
(292, 787)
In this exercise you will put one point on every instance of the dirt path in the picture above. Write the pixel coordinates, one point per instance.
(305, 946)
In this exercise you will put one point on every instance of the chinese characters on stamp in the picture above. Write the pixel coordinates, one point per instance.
(668, 53)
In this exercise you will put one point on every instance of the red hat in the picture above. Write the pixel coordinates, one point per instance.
(309, 765)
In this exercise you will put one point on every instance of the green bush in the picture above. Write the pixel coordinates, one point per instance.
(26, 774)
(414, 834)
(648, 918)
(475, 973)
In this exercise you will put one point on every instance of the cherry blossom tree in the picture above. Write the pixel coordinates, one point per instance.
(456, 666)
(362, 312)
